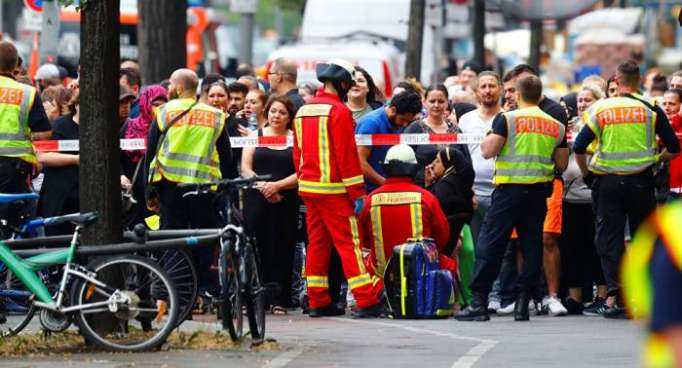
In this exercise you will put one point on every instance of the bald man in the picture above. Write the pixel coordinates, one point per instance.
(282, 78)
(194, 149)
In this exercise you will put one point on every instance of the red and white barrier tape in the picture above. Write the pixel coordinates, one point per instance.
(243, 142)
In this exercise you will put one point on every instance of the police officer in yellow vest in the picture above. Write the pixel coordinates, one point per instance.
(22, 119)
(195, 149)
(529, 144)
(620, 172)
(652, 284)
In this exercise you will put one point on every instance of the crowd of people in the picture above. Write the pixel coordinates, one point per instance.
(569, 267)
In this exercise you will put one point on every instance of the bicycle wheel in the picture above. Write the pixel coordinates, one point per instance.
(16, 303)
(231, 308)
(254, 294)
(183, 273)
(140, 295)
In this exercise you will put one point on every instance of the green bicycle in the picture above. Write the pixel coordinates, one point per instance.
(121, 303)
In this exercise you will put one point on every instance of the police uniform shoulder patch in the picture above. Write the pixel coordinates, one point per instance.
(314, 110)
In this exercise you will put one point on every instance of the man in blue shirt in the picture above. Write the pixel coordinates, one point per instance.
(391, 119)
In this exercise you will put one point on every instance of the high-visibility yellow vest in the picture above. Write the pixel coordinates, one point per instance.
(188, 153)
(16, 100)
(527, 154)
(625, 129)
(636, 277)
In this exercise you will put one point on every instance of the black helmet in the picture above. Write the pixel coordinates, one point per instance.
(336, 70)
(400, 161)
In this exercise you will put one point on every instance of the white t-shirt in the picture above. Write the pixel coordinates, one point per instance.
(473, 123)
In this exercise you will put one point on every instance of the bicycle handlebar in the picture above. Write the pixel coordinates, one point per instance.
(222, 184)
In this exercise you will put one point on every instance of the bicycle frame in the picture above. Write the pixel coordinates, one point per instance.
(25, 270)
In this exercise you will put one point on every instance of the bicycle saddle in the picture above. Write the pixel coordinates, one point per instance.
(11, 198)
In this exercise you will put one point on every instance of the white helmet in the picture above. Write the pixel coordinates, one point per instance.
(400, 161)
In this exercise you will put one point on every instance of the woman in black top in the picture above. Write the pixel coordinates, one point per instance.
(435, 122)
(59, 192)
(451, 179)
(271, 210)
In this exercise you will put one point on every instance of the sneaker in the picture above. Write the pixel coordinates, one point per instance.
(596, 309)
(552, 305)
(574, 308)
(330, 310)
(615, 312)
(493, 306)
(506, 310)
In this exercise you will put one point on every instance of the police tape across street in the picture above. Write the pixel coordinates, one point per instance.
(71, 145)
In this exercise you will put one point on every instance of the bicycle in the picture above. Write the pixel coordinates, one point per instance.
(134, 312)
(176, 262)
(239, 264)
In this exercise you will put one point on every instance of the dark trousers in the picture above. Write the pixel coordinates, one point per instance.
(14, 175)
(580, 263)
(274, 226)
(194, 212)
(520, 206)
(616, 199)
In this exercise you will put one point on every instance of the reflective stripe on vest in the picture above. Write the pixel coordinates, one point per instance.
(378, 200)
(526, 157)
(188, 153)
(16, 100)
(625, 131)
(636, 276)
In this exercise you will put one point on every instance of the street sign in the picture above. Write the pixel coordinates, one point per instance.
(243, 6)
(33, 21)
(35, 5)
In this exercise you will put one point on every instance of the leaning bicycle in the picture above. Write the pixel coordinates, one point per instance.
(241, 284)
(121, 303)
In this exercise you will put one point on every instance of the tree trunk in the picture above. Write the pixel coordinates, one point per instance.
(161, 34)
(100, 187)
(415, 36)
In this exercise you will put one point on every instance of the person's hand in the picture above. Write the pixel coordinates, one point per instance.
(276, 198)
(240, 114)
(243, 131)
(125, 182)
(154, 205)
(474, 202)
(267, 188)
(73, 85)
(76, 159)
(429, 175)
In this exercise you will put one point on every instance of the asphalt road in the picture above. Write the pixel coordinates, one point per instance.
(344, 342)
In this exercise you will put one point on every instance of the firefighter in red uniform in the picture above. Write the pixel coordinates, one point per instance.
(329, 181)
(399, 210)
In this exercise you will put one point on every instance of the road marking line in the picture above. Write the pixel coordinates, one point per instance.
(466, 361)
(283, 359)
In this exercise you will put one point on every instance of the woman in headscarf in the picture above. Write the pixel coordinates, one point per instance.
(451, 178)
(132, 174)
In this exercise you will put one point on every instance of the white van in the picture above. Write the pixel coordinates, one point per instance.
(381, 60)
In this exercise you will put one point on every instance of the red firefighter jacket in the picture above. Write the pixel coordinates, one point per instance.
(397, 211)
(325, 153)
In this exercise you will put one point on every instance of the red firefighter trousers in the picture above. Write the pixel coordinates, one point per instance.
(331, 222)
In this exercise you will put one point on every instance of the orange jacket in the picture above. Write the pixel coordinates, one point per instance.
(325, 154)
(399, 210)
